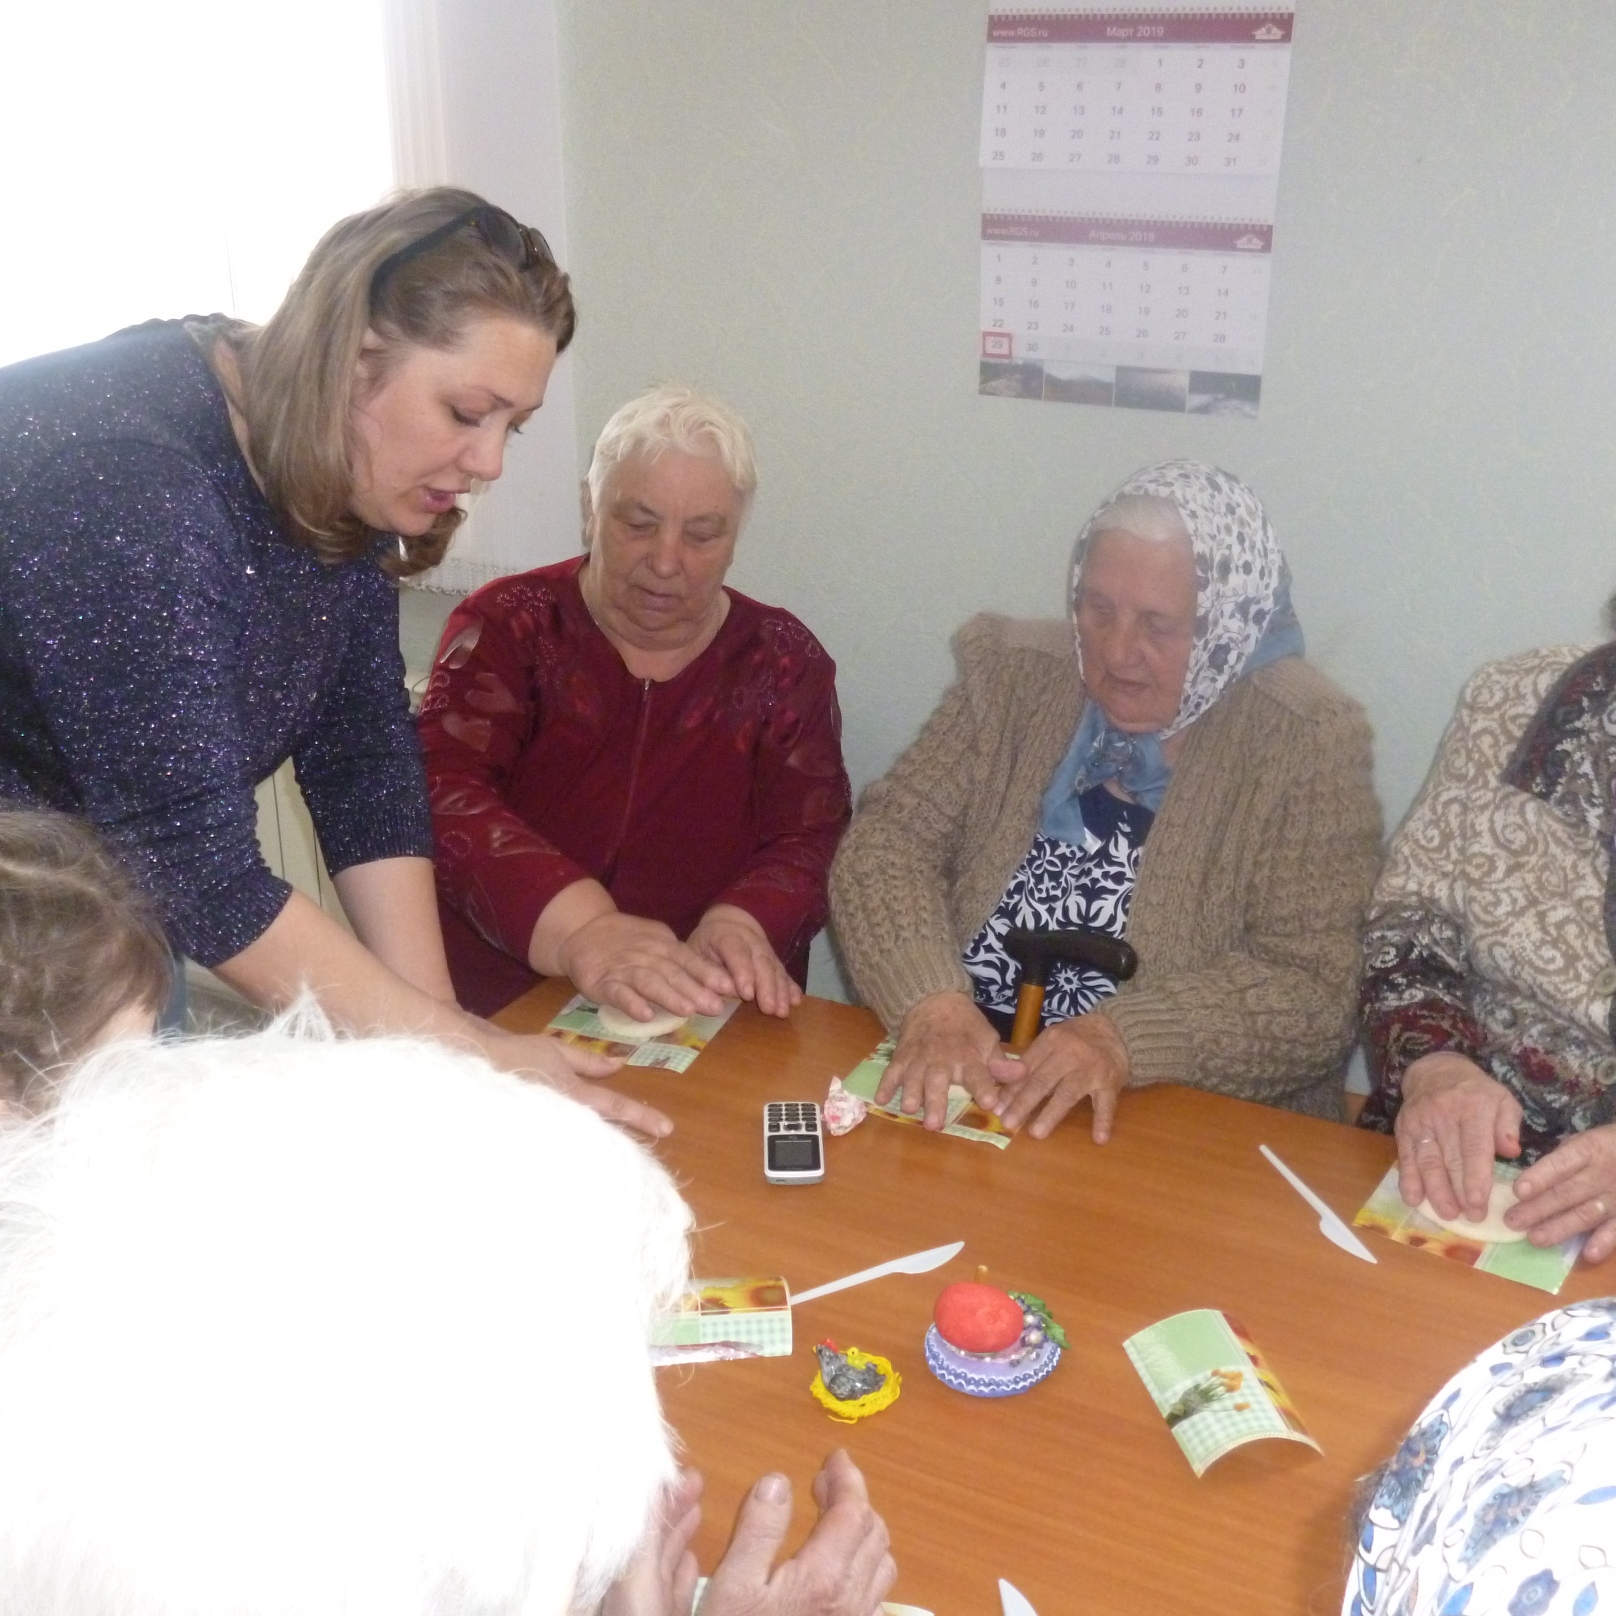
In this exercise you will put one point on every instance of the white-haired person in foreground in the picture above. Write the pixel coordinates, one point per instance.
(295, 1325)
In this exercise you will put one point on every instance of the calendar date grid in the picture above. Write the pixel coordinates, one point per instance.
(1195, 109)
(1136, 306)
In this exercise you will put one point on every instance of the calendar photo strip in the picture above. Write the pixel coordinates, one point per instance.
(1130, 160)
(1152, 314)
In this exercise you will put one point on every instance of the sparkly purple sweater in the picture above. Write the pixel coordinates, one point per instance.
(163, 647)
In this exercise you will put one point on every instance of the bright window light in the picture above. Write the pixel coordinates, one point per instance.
(178, 156)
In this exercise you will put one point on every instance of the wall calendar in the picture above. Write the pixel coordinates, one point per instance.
(1130, 164)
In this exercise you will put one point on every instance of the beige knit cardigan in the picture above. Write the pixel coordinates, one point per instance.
(1252, 885)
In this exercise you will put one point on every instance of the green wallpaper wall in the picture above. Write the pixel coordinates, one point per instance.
(780, 202)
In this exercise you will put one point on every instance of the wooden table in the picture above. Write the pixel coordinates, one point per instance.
(1076, 1492)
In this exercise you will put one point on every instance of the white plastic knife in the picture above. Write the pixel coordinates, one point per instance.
(917, 1262)
(1330, 1225)
(1014, 1601)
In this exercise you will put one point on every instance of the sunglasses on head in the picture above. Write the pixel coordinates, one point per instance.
(516, 243)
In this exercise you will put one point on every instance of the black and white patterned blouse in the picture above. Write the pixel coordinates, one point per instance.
(1060, 887)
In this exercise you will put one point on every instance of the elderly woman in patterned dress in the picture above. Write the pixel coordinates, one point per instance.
(1501, 1497)
(1489, 1000)
(1186, 715)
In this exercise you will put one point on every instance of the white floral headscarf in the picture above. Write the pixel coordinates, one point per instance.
(1242, 585)
(1502, 1499)
(1243, 619)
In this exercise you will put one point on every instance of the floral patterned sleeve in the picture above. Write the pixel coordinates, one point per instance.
(802, 798)
(1414, 1000)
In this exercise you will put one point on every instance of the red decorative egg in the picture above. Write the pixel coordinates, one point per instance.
(977, 1318)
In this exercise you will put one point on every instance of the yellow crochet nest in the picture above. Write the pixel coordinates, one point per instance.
(860, 1407)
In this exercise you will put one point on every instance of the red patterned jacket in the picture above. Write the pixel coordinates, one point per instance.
(548, 762)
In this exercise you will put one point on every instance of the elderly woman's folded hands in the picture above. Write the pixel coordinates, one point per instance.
(1455, 1120)
(945, 1040)
(1570, 1190)
(636, 964)
(1069, 1061)
(733, 940)
(640, 966)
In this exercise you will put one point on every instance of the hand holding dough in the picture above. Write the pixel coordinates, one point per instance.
(1490, 1228)
(622, 1028)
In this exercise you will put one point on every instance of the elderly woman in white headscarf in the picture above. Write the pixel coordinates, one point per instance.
(1184, 714)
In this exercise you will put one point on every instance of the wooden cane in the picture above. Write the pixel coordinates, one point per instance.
(1029, 1002)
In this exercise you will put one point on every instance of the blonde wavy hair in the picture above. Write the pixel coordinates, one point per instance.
(79, 942)
(301, 371)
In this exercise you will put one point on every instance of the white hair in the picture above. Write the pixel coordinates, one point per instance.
(307, 1326)
(674, 416)
(1147, 516)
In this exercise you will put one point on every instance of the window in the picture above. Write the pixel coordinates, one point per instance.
(178, 156)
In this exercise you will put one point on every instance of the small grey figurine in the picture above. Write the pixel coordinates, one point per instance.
(845, 1383)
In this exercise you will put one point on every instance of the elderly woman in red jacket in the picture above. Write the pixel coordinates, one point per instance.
(636, 774)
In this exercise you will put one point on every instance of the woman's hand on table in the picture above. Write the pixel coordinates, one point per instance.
(639, 966)
(1069, 1061)
(1453, 1121)
(306, 951)
(567, 1068)
(944, 1040)
(731, 939)
(843, 1569)
(1571, 1190)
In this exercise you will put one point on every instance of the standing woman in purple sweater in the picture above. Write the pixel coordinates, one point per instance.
(201, 523)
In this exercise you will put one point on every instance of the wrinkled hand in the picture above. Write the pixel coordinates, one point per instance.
(1454, 1120)
(843, 1569)
(1069, 1061)
(1571, 1189)
(566, 1067)
(944, 1039)
(641, 967)
(733, 940)
(661, 1579)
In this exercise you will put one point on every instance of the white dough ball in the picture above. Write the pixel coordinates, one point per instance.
(622, 1028)
(1492, 1227)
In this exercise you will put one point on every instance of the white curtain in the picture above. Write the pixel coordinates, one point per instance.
(477, 102)
(177, 156)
